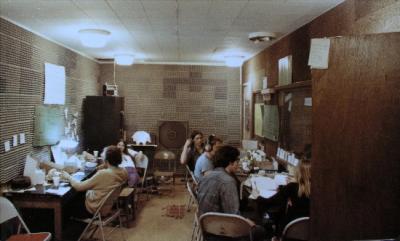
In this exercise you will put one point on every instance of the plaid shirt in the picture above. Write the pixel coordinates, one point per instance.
(218, 193)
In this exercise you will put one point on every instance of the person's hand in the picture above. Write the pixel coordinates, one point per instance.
(65, 176)
(188, 142)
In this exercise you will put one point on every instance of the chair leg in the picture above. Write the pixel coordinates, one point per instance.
(189, 203)
(101, 228)
(120, 227)
(86, 229)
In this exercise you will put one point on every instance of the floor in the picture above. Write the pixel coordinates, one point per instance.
(151, 224)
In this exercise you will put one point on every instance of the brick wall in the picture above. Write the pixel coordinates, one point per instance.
(22, 58)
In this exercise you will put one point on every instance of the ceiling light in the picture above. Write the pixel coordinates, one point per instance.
(94, 38)
(258, 37)
(124, 59)
(233, 61)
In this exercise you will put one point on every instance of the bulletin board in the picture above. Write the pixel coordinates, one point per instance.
(49, 124)
(270, 128)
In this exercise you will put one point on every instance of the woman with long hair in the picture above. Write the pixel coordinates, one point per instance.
(292, 200)
(193, 148)
(128, 156)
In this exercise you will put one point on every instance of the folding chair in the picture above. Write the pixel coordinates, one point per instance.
(144, 180)
(225, 225)
(8, 211)
(196, 234)
(297, 229)
(104, 215)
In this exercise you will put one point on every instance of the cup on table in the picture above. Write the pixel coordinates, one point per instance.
(56, 181)
(96, 154)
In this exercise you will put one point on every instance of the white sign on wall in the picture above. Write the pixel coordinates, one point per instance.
(54, 91)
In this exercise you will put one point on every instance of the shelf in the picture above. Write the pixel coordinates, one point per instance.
(295, 85)
(267, 91)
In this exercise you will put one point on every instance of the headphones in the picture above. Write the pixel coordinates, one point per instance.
(210, 143)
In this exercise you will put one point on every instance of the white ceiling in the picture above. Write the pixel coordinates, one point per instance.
(185, 31)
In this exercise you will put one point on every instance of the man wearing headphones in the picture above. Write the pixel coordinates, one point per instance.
(204, 162)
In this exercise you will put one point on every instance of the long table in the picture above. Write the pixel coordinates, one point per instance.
(46, 197)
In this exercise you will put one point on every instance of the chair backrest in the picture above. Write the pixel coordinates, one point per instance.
(192, 175)
(192, 193)
(144, 163)
(297, 229)
(8, 211)
(227, 225)
(108, 201)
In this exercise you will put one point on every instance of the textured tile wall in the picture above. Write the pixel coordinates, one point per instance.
(208, 97)
(22, 58)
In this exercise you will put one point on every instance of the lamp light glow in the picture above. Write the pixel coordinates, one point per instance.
(233, 61)
(124, 59)
(94, 38)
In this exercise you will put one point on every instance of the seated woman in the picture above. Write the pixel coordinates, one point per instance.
(192, 149)
(292, 200)
(128, 155)
(100, 184)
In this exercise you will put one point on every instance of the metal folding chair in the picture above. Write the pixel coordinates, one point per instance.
(107, 212)
(225, 225)
(297, 229)
(8, 211)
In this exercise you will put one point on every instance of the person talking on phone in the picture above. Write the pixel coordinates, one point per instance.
(193, 148)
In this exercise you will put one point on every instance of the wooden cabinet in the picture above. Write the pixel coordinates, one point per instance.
(103, 121)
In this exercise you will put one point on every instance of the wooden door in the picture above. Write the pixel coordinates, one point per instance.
(356, 140)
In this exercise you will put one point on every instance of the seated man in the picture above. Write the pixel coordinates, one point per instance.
(218, 190)
(100, 184)
(204, 163)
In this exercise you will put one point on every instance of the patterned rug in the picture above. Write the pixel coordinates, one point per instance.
(175, 211)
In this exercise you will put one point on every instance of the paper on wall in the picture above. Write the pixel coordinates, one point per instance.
(15, 140)
(288, 97)
(319, 53)
(308, 101)
(54, 91)
(22, 138)
(290, 106)
(7, 146)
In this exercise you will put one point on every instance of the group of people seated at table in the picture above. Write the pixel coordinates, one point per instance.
(118, 168)
(219, 188)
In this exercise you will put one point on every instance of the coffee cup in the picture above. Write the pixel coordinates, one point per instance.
(56, 181)
(96, 154)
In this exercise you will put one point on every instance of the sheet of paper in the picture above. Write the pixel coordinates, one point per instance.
(7, 146)
(58, 191)
(22, 138)
(308, 101)
(319, 53)
(15, 140)
(30, 167)
(54, 91)
(288, 97)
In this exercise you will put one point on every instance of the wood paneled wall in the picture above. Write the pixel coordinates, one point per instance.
(349, 18)
(356, 140)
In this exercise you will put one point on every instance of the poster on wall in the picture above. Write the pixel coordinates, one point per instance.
(285, 70)
(54, 90)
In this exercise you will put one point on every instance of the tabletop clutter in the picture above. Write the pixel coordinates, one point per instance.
(50, 173)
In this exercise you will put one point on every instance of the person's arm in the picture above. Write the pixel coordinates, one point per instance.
(185, 151)
(229, 198)
(85, 185)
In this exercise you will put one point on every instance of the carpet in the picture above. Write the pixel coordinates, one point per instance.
(175, 211)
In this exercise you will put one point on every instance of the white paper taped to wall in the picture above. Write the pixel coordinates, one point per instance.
(319, 53)
(54, 91)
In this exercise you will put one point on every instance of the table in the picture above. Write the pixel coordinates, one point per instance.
(42, 199)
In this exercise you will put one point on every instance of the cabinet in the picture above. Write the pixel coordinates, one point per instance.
(103, 121)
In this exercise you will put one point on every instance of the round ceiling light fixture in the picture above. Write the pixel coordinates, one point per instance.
(124, 59)
(94, 38)
(258, 37)
(234, 61)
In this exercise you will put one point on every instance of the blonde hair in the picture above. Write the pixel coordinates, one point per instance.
(303, 178)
